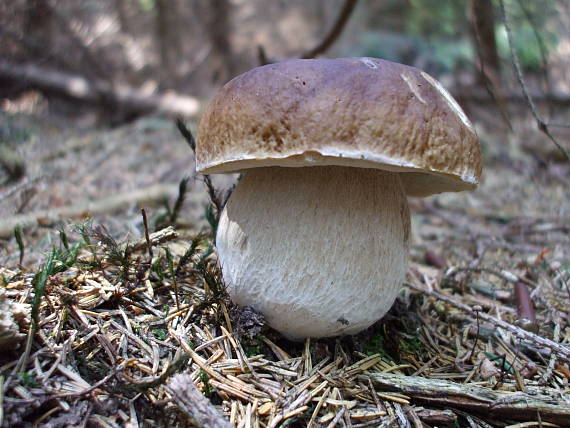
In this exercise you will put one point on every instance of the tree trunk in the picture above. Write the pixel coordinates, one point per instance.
(39, 22)
(482, 19)
(123, 15)
(483, 32)
(169, 43)
(218, 20)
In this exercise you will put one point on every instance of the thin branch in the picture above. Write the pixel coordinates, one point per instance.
(541, 45)
(94, 91)
(335, 31)
(154, 239)
(147, 235)
(216, 200)
(326, 43)
(542, 125)
(93, 387)
(558, 125)
(175, 366)
(24, 185)
(552, 361)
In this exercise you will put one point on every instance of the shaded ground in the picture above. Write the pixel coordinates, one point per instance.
(140, 164)
(109, 325)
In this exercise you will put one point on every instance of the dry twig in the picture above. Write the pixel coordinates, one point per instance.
(193, 403)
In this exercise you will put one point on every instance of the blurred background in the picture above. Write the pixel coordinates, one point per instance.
(193, 46)
(88, 91)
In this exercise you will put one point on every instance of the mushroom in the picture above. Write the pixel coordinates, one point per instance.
(316, 233)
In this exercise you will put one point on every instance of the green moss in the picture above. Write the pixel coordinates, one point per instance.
(411, 343)
(208, 390)
(28, 379)
(159, 333)
(376, 346)
(255, 347)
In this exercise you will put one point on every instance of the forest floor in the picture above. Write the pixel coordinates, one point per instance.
(100, 324)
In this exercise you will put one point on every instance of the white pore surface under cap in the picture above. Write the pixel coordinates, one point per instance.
(320, 251)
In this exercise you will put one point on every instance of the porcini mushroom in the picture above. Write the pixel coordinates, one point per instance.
(316, 234)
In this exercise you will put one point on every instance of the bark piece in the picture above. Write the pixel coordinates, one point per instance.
(193, 403)
(501, 405)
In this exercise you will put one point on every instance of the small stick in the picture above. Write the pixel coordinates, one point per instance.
(525, 310)
(91, 388)
(552, 362)
(434, 260)
(146, 234)
(170, 262)
(337, 417)
(156, 238)
(212, 193)
(477, 309)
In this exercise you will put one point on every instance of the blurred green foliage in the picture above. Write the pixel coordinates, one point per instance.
(10, 132)
(376, 346)
(529, 19)
(435, 56)
(146, 5)
(436, 34)
(436, 18)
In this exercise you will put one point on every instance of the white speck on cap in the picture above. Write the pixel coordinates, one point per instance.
(368, 62)
(413, 85)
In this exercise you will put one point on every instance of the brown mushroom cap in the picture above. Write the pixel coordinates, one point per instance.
(359, 112)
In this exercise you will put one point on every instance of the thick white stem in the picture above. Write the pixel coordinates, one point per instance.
(320, 251)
